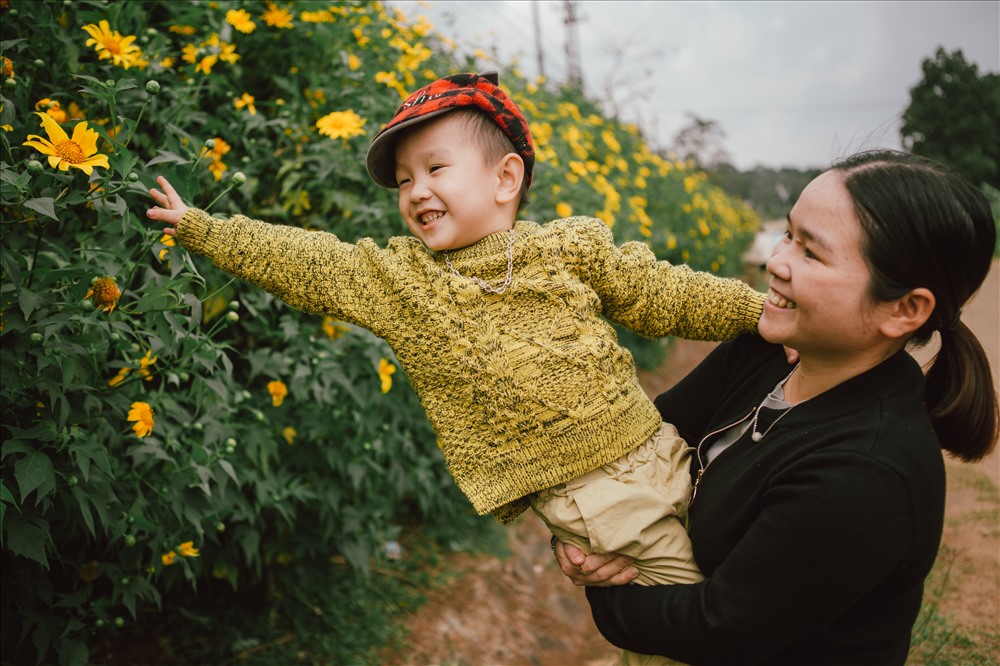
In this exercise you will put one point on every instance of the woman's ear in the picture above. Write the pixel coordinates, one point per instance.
(908, 313)
(510, 173)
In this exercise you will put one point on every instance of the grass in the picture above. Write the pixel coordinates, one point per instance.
(937, 639)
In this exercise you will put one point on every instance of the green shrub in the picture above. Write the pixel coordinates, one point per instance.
(169, 434)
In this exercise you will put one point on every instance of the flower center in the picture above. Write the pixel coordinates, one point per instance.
(71, 152)
(113, 45)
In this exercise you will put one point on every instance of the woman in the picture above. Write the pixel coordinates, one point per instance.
(819, 495)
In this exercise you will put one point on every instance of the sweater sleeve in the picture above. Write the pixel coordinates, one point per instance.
(830, 531)
(313, 271)
(655, 298)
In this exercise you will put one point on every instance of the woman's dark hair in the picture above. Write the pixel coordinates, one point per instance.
(925, 226)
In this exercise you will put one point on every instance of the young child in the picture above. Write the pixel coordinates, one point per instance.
(498, 323)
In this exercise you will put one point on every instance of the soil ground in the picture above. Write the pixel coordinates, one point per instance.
(521, 610)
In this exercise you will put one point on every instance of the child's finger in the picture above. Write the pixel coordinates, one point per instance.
(172, 197)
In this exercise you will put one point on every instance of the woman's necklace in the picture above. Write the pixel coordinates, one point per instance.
(757, 436)
(482, 283)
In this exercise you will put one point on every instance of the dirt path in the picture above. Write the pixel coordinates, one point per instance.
(521, 611)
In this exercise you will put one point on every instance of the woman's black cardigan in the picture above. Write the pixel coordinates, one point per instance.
(815, 542)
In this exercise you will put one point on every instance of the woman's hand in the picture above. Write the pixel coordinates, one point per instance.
(594, 570)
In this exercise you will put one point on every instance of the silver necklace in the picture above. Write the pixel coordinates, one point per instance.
(757, 436)
(482, 283)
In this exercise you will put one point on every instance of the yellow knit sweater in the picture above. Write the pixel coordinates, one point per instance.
(526, 389)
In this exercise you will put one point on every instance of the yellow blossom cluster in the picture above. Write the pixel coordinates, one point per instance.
(186, 549)
(214, 154)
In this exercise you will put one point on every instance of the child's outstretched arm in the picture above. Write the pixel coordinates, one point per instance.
(170, 208)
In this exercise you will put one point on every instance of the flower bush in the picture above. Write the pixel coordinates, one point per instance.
(171, 437)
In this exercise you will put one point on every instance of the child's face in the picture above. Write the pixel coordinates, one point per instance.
(447, 195)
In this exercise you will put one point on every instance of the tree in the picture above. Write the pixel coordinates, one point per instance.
(954, 117)
(701, 140)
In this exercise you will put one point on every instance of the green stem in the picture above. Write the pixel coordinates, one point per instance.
(221, 194)
(34, 257)
(136, 126)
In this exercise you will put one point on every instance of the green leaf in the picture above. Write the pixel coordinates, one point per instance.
(27, 537)
(228, 468)
(29, 302)
(88, 518)
(34, 472)
(44, 205)
(167, 157)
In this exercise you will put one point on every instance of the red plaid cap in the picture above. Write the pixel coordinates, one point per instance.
(480, 91)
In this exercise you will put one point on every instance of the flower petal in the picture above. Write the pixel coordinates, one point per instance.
(56, 133)
(86, 138)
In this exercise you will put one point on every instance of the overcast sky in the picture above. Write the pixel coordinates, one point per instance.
(790, 83)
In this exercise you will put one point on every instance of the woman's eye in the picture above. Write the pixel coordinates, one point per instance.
(402, 181)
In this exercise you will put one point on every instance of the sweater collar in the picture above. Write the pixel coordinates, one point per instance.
(492, 246)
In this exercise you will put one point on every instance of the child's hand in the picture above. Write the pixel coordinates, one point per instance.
(170, 208)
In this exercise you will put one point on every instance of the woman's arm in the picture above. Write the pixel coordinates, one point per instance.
(828, 532)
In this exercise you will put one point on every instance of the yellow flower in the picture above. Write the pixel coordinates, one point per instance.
(277, 17)
(142, 414)
(111, 45)
(563, 209)
(385, 370)
(90, 570)
(341, 125)
(332, 329)
(245, 100)
(217, 169)
(354, 62)
(80, 152)
(278, 391)
(169, 242)
(169, 558)
(7, 69)
(187, 549)
(105, 293)
(182, 29)
(206, 64)
(240, 19)
(144, 364)
(53, 108)
(289, 434)
(119, 378)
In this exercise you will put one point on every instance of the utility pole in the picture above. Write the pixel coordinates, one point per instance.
(574, 72)
(538, 39)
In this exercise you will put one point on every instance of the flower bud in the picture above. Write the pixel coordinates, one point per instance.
(234, 305)
(231, 443)
(119, 622)
(132, 177)
(10, 83)
(129, 540)
(35, 167)
(35, 338)
(220, 527)
(232, 317)
(239, 178)
(153, 87)
(210, 143)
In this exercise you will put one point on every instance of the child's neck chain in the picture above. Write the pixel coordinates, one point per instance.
(482, 283)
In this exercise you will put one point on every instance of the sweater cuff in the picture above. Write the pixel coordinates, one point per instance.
(753, 309)
(194, 231)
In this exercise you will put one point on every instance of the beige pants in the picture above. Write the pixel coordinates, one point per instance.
(636, 505)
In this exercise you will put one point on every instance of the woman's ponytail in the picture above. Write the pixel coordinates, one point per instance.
(925, 226)
(960, 396)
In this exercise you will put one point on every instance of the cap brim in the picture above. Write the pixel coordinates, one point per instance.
(381, 158)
